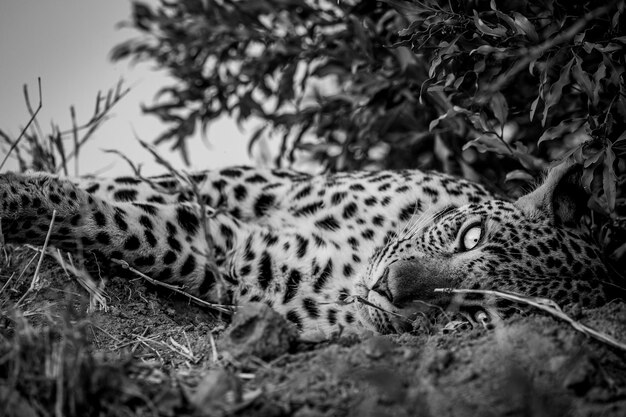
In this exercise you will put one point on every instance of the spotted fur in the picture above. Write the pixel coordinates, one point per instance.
(309, 246)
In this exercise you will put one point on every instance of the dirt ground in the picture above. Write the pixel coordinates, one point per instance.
(152, 353)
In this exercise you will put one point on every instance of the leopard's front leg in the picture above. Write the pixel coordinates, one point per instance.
(166, 242)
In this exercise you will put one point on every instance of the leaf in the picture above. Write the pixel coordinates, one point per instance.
(565, 127)
(409, 30)
(255, 137)
(611, 47)
(528, 161)
(509, 21)
(556, 89)
(362, 38)
(497, 32)
(285, 86)
(609, 179)
(525, 26)
(519, 175)
(486, 50)
(582, 78)
(433, 66)
(459, 81)
(533, 108)
(480, 66)
(598, 76)
(248, 106)
(405, 7)
(453, 111)
(500, 107)
(479, 121)
(488, 142)
(593, 159)
(587, 178)
(328, 68)
(142, 15)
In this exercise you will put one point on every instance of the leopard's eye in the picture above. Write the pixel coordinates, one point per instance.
(471, 237)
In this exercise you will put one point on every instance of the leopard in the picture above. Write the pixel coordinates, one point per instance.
(336, 253)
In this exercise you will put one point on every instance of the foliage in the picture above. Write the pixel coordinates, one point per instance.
(496, 89)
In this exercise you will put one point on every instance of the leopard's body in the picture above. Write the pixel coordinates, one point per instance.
(309, 246)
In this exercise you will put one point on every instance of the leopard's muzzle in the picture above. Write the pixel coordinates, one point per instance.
(404, 291)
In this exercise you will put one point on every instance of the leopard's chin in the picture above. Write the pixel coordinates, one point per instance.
(376, 313)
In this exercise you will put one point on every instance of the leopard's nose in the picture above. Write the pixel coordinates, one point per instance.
(405, 281)
(382, 286)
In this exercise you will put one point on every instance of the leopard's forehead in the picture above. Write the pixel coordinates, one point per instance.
(495, 215)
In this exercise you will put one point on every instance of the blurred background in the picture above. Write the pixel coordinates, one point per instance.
(68, 44)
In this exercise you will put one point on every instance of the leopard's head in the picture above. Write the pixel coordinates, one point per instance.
(530, 246)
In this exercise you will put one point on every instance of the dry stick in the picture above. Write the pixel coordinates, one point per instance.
(32, 118)
(35, 280)
(536, 52)
(546, 305)
(219, 307)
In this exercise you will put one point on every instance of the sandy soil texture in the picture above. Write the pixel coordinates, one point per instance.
(153, 353)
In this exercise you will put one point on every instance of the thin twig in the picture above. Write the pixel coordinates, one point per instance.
(546, 305)
(32, 118)
(228, 309)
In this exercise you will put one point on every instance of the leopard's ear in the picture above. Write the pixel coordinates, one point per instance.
(561, 196)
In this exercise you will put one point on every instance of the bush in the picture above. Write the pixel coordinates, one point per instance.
(491, 90)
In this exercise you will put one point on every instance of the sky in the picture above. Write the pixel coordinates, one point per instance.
(67, 43)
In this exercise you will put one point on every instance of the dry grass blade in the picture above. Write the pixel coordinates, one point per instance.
(185, 183)
(175, 347)
(135, 168)
(214, 355)
(228, 309)
(32, 119)
(75, 138)
(546, 305)
(35, 280)
(97, 297)
(6, 285)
